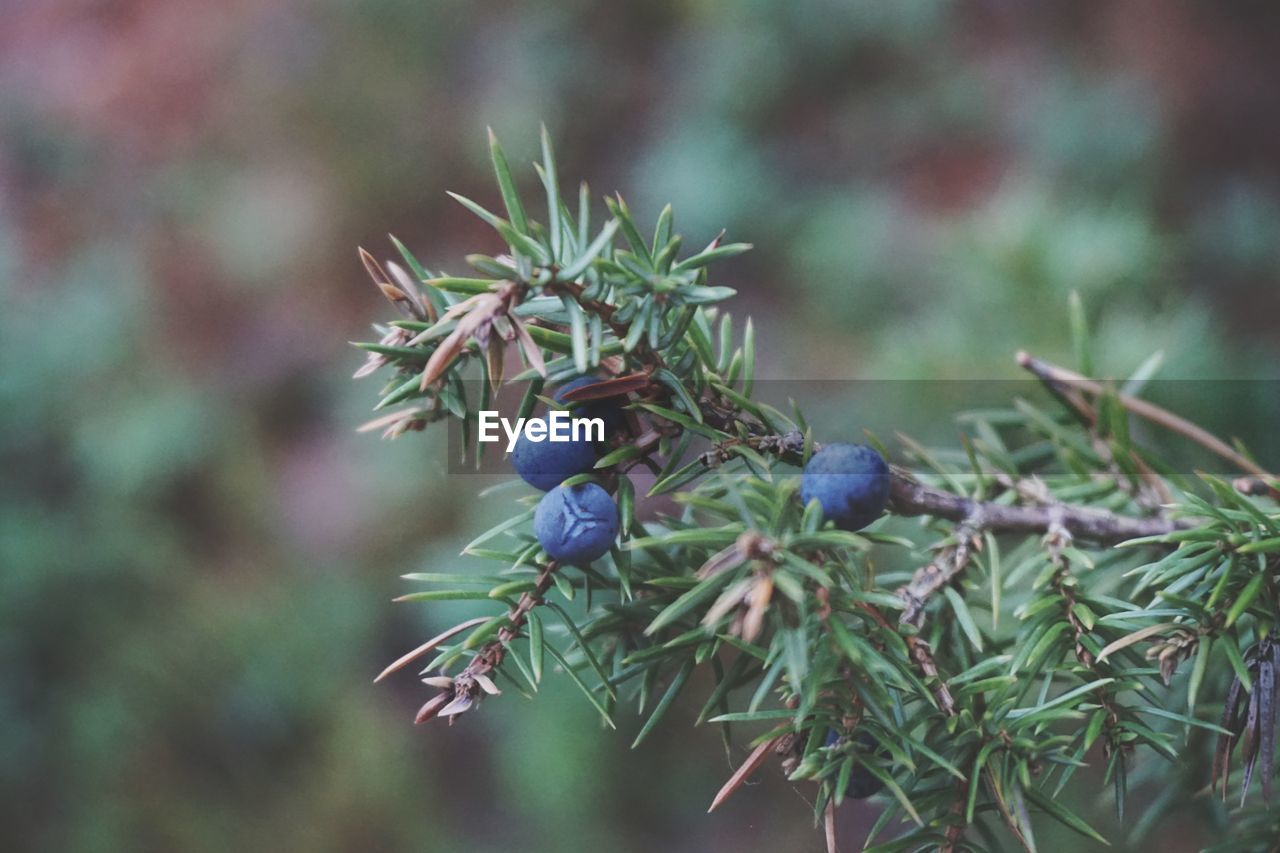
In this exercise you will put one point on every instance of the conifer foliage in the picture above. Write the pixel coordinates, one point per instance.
(974, 628)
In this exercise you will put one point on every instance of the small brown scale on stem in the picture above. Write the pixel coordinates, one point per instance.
(1056, 541)
(467, 686)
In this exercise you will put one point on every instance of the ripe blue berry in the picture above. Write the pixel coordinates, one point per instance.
(862, 782)
(850, 481)
(546, 464)
(608, 409)
(576, 524)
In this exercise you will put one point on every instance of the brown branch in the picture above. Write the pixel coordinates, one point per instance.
(910, 497)
(922, 656)
(465, 689)
(973, 517)
(955, 830)
(940, 571)
(1052, 374)
(829, 826)
(1154, 491)
(643, 352)
(1057, 542)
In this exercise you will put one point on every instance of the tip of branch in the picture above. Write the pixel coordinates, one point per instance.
(753, 762)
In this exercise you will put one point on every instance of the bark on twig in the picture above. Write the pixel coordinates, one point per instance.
(464, 690)
(1059, 377)
(940, 571)
(973, 517)
(909, 497)
(922, 656)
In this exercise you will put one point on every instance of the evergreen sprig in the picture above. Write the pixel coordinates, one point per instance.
(1068, 591)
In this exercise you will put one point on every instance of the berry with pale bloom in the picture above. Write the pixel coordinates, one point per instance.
(850, 481)
(576, 524)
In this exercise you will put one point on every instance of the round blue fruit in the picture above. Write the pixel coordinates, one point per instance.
(862, 782)
(576, 524)
(850, 481)
(546, 464)
(608, 409)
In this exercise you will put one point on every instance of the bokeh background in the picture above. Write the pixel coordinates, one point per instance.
(197, 552)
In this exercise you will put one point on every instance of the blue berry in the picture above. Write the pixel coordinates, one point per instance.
(576, 524)
(546, 464)
(608, 409)
(862, 782)
(850, 481)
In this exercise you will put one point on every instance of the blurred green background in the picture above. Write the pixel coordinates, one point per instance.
(197, 552)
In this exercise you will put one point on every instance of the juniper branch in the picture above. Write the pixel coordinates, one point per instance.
(463, 690)
(909, 497)
(1054, 376)
(831, 645)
